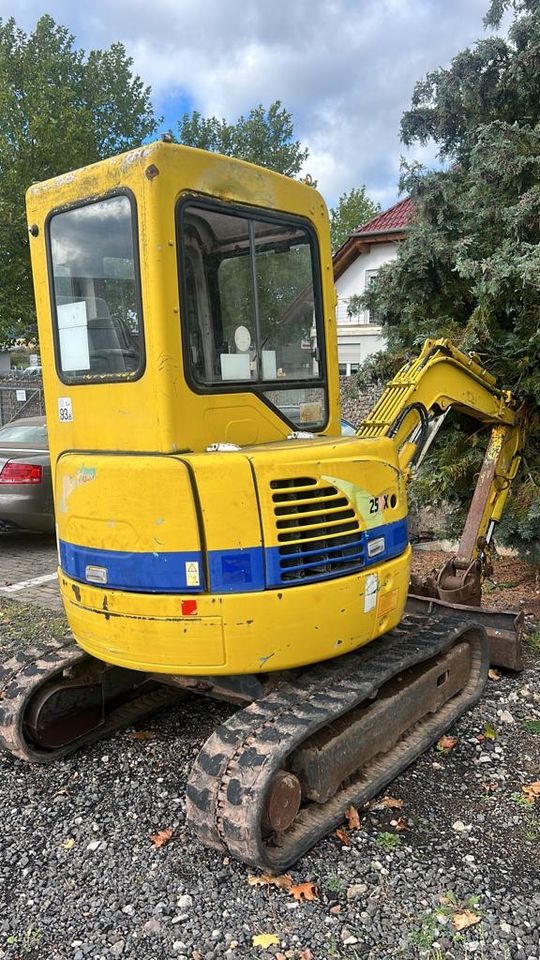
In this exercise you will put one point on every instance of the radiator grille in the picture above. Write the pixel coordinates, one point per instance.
(317, 530)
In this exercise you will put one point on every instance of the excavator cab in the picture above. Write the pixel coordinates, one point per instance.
(203, 492)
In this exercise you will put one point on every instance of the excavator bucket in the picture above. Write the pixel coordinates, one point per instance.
(504, 628)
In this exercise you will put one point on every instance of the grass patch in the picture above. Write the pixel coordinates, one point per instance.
(388, 840)
(333, 884)
(22, 624)
(526, 803)
(532, 726)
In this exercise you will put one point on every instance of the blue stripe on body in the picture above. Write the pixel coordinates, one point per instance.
(231, 571)
(305, 566)
(141, 572)
(236, 571)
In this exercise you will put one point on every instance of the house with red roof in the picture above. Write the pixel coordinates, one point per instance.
(356, 263)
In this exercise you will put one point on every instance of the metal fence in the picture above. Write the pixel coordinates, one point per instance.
(20, 398)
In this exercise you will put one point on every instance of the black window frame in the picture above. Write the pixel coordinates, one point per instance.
(245, 211)
(93, 379)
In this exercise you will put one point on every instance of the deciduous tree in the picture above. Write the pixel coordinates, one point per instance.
(353, 209)
(59, 109)
(264, 137)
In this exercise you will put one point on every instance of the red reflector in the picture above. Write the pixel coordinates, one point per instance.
(189, 607)
(16, 472)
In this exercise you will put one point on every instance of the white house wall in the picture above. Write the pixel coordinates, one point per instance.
(357, 337)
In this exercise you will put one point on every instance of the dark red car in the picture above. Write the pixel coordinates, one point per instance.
(26, 500)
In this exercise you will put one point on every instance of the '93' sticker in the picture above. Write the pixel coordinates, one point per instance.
(65, 412)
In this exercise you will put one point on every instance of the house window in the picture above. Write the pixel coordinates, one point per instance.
(369, 278)
(343, 369)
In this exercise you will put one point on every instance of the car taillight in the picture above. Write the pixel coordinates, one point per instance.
(16, 472)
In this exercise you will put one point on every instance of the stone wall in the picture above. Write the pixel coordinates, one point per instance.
(356, 402)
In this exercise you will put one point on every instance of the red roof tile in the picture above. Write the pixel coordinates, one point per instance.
(398, 217)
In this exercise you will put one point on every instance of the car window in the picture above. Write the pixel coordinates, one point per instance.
(23, 433)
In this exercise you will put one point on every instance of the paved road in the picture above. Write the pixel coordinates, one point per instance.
(28, 569)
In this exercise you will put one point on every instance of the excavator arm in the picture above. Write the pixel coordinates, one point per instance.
(412, 409)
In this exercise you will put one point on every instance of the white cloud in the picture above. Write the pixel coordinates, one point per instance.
(344, 68)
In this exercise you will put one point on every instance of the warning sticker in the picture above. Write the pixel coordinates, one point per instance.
(371, 591)
(193, 578)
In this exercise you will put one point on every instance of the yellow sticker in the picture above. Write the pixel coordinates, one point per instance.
(387, 602)
(193, 578)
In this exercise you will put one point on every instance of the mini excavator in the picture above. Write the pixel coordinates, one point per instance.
(216, 534)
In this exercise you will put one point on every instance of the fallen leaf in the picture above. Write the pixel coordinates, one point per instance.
(353, 818)
(336, 909)
(162, 837)
(489, 787)
(464, 919)
(68, 844)
(305, 891)
(264, 940)
(401, 825)
(343, 836)
(446, 743)
(494, 674)
(392, 803)
(532, 791)
(489, 732)
(268, 880)
(142, 735)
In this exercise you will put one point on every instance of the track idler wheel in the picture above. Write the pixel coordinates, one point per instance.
(282, 802)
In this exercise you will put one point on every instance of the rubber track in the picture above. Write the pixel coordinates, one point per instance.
(22, 676)
(233, 771)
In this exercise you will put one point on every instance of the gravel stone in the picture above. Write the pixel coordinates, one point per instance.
(113, 895)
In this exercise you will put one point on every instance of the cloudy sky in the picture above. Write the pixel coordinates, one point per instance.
(345, 69)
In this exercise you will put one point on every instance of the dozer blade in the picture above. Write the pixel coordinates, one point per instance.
(279, 775)
(504, 628)
(56, 698)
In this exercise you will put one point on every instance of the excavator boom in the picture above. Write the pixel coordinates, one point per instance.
(412, 409)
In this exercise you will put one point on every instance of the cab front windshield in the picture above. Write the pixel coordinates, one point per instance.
(250, 309)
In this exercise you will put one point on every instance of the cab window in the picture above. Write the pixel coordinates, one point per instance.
(97, 313)
(250, 308)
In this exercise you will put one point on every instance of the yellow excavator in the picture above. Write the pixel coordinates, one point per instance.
(216, 534)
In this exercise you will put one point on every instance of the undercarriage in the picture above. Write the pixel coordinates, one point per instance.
(281, 772)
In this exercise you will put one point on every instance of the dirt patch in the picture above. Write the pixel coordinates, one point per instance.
(513, 584)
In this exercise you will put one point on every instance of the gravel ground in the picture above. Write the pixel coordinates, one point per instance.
(80, 877)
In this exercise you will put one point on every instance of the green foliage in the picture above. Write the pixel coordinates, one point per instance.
(59, 109)
(532, 726)
(352, 210)
(380, 367)
(447, 475)
(334, 884)
(469, 268)
(264, 137)
(388, 840)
